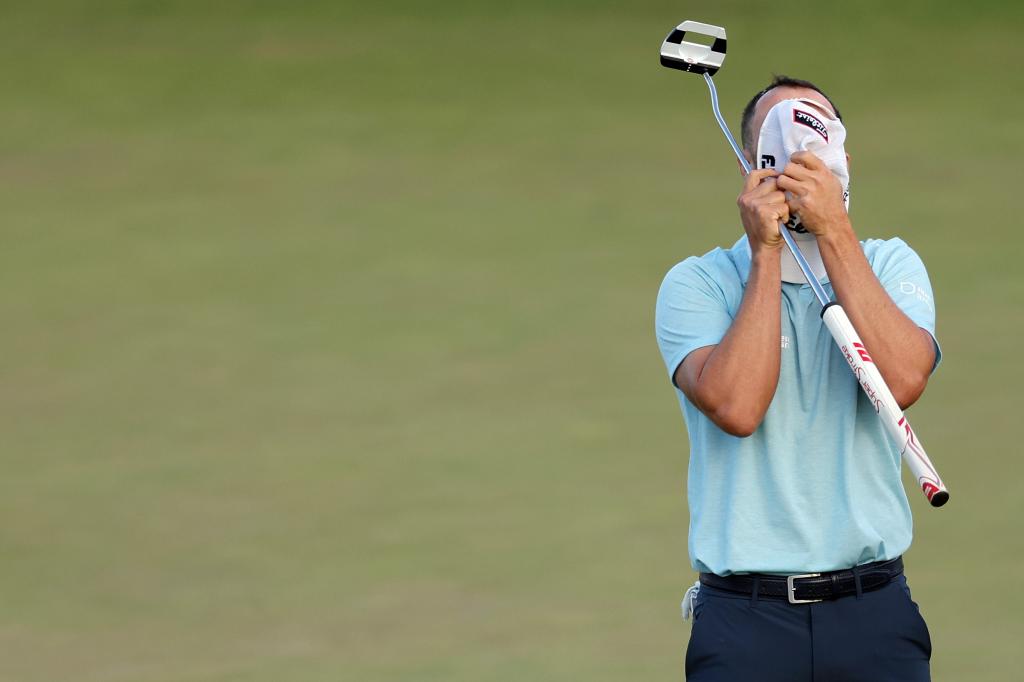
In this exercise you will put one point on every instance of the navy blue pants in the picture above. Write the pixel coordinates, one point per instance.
(878, 636)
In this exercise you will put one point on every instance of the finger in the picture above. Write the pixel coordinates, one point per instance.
(767, 186)
(777, 214)
(755, 177)
(789, 184)
(795, 170)
(775, 204)
(808, 160)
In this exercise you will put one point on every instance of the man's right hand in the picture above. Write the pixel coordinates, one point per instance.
(733, 382)
(762, 207)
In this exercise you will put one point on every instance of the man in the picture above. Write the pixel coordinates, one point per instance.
(790, 470)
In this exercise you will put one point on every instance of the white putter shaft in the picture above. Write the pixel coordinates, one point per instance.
(678, 53)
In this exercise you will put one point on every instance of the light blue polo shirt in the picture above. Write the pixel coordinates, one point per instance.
(817, 487)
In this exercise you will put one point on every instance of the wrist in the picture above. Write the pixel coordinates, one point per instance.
(839, 235)
(765, 257)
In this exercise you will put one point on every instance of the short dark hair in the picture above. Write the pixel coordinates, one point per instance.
(749, 136)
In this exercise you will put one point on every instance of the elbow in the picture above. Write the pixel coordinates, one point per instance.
(739, 418)
(740, 429)
(739, 423)
(910, 388)
(914, 372)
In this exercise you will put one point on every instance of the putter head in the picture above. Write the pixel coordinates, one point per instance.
(678, 53)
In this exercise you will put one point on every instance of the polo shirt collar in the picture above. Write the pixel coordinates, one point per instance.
(740, 252)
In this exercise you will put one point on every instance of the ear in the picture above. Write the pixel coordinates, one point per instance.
(848, 161)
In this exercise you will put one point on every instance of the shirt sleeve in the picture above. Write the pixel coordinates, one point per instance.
(691, 312)
(903, 275)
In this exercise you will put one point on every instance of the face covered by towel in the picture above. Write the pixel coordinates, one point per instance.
(795, 125)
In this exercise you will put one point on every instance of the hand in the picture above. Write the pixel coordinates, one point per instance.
(813, 193)
(762, 208)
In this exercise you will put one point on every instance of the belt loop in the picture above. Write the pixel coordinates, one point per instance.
(856, 581)
(755, 591)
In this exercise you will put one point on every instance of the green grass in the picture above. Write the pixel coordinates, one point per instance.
(328, 346)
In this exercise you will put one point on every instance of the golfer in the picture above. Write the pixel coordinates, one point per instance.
(798, 516)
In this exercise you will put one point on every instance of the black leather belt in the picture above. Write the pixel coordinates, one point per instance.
(808, 587)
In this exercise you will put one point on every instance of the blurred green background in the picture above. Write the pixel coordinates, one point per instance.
(327, 344)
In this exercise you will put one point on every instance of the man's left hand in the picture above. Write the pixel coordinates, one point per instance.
(813, 192)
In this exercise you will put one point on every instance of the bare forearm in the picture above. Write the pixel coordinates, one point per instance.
(733, 382)
(739, 378)
(903, 352)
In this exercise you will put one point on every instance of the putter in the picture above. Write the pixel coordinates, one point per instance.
(679, 53)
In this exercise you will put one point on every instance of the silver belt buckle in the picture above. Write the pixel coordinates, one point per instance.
(791, 589)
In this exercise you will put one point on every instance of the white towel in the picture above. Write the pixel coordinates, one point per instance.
(795, 125)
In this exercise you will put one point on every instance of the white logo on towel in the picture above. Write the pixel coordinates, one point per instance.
(911, 289)
(785, 341)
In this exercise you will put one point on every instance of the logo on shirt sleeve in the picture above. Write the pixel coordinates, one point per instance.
(911, 289)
